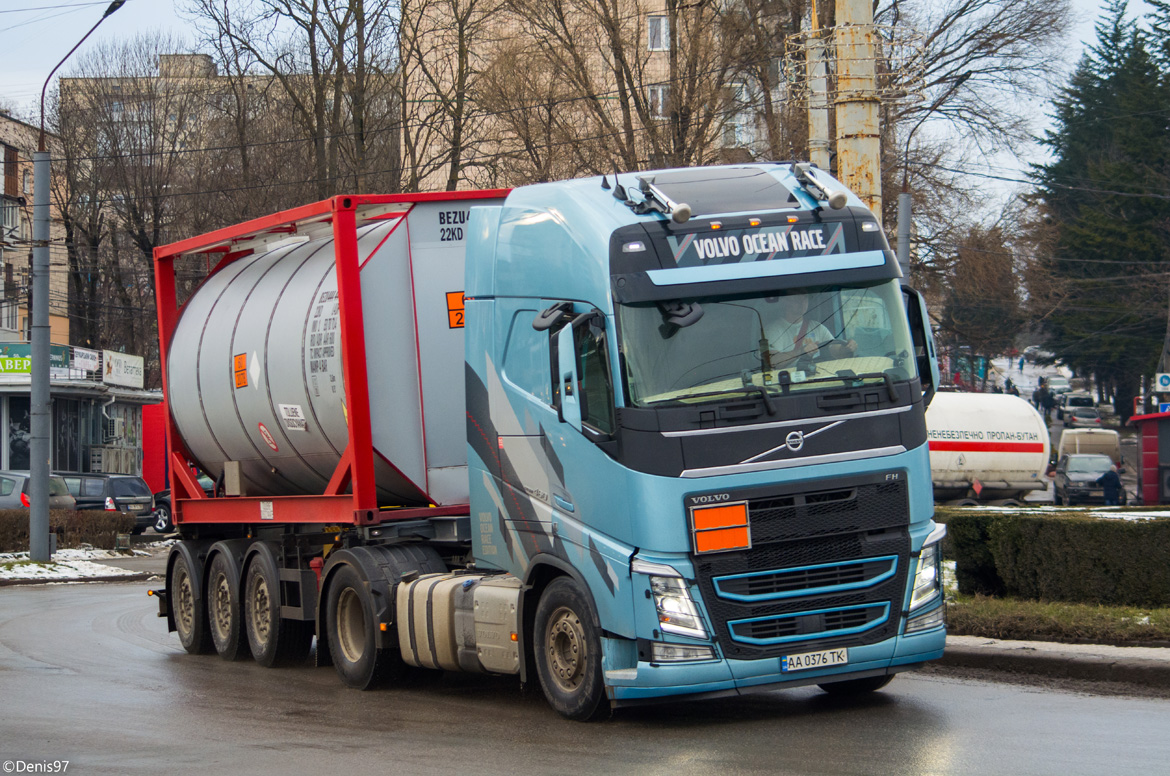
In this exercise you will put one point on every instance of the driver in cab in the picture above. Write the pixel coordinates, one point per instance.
(793, 334)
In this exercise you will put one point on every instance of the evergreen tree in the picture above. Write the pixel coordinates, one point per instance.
(1105, 198)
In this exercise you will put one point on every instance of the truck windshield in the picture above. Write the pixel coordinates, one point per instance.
(691, 351)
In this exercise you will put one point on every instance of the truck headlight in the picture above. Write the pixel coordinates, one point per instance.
(928, 577)
(676, 610)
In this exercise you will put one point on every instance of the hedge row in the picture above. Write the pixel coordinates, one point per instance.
(99, 529)
(1061, 558)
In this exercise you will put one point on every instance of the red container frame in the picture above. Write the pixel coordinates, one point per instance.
(355, 470)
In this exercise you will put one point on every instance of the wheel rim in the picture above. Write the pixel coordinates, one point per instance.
(260, 609)
(565, 647)
(185, 602)
(351, 625)
(160, 522)
(221, 606)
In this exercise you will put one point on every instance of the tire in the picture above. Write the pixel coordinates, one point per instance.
(272, 640)
(187, 607)
(852, 687)
(162, 519)
(568, 652)
(224, 615)
(349, 624)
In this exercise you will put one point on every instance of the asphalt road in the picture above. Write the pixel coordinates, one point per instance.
(88, 674)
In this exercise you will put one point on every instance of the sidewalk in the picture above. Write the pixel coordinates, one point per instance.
(1148, 666)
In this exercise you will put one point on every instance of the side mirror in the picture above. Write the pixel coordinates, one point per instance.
(570, 409)
(924, 353)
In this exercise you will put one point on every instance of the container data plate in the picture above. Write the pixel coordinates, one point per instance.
(807, 660)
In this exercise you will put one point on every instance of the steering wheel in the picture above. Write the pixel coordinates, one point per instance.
(823, 349)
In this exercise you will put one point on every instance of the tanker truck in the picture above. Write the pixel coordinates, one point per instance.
(986, 448)
(557, 433)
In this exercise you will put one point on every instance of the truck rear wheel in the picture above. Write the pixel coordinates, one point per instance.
(568, 652)
(223, 608)
(350, 623)
(857, 686)
(187, 606)
(274, 641)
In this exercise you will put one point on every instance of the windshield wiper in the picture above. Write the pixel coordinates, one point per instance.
(725, 392)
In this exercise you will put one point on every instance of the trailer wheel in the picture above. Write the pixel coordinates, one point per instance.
(187, 607)
(568, 652)
(857, 686)
(273, 641)
(223, 608)
(349, 623)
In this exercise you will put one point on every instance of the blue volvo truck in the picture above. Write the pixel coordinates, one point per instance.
(629, 437)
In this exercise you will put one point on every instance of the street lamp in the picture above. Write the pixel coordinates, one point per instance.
(39, 400)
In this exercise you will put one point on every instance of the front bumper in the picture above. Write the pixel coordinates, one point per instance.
(648, 682)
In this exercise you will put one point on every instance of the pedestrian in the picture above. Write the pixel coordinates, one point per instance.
(1007, 385)
(1021, 363)
(1110, 483)
(1049, 402)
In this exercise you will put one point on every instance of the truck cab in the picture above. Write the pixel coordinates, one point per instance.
(695, 402)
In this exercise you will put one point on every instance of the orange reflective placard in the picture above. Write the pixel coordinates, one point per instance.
(240, 367)
(722, 539)
(455, 309)
(719, 517)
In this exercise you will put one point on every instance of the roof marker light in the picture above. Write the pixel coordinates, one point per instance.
(754, 222)
(793, 219)
(716, 225)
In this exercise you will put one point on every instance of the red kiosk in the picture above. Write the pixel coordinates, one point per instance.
(1153, 467)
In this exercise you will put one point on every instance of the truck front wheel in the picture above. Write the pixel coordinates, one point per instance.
(349, 618)
(856, 686)
(568, 652)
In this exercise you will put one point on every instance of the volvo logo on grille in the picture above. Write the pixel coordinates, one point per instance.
(714, 498)
(794, 441)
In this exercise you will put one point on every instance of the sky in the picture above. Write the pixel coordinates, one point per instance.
(35, 34)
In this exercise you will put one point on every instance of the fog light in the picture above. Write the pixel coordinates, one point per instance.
(677, 653)
(935, 618)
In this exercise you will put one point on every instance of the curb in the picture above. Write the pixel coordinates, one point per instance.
(1149, 667)
(137, 577)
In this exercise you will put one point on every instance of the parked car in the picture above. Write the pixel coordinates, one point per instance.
(1076, 478)
(1083, 417)
(1072, 400)
(113, 493)
(14, 491)
(162, 504)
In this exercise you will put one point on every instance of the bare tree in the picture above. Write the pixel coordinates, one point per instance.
(333, 69)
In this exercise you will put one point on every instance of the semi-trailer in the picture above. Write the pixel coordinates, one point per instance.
(630, 437)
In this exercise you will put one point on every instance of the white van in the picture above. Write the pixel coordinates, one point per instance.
(1090, 440)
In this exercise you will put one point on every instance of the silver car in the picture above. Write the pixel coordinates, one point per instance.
(14, 487)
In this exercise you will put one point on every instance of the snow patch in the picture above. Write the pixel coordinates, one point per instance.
(65, 564)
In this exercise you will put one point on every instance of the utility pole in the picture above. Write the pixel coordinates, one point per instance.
(858, 142)
(818, 96)
(40, 400)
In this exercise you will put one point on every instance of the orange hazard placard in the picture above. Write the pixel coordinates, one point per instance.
(240, 366)
(455, 309)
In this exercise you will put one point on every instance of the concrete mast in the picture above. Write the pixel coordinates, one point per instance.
(818, 96)
(858, 142)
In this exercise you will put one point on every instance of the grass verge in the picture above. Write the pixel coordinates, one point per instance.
(1006, 618)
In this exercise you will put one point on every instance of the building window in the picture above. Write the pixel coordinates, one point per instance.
(28, 183)
(658, 97)
(737, 130)
(658, 33)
